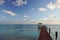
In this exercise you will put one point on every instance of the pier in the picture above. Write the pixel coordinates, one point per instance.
(44, 35)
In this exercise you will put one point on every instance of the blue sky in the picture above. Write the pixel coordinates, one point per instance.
(28, 11)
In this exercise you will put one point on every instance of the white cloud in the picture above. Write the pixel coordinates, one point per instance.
(51, 17)
(25, 19)
(45, 18)
(9, 12)
(57, 3)
(25, 16)
(51, 6)
(54, 5)
(57, 0)
(42, 9)
(1, 2)
(20, 2)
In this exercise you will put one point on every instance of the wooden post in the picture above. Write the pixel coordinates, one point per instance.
(49, 31)
(56, 33)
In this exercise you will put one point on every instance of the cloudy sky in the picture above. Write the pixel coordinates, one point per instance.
(29, 11)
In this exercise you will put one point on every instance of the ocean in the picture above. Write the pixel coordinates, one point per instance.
(25, 31)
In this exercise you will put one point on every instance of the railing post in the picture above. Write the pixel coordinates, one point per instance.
(49, 31)
(56, 33)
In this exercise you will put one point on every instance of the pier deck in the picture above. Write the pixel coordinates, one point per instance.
(44, 35)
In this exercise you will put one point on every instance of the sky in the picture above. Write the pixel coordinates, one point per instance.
(29, 11)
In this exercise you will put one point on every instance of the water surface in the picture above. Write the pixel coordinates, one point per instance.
(25, 31)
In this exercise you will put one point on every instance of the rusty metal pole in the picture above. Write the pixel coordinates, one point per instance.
(56, 33)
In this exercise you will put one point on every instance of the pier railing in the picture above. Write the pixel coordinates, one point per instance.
(55, 36)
